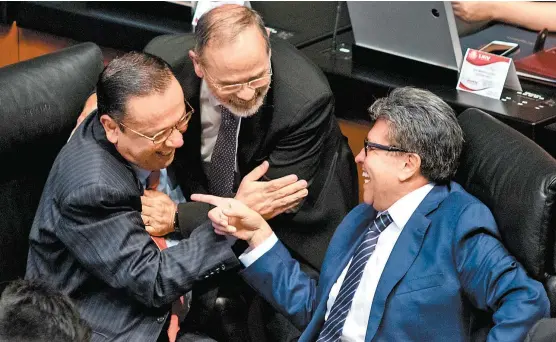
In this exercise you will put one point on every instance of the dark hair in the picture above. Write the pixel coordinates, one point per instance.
(421, 122)
(31, 310)
(223, 24)
(134, 74)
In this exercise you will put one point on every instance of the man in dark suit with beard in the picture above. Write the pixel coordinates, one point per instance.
(279, 108)
(88, 237)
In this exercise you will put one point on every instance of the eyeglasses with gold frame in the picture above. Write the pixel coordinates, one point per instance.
(234, 88)
(162, 136)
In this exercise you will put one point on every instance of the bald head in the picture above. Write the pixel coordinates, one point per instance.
(223, 24)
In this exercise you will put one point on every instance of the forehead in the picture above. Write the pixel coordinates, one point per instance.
(379, 132)
(247, 53)
(156, 109)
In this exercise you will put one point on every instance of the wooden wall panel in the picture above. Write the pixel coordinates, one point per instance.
(33, 43)
(8, 45)
(355, 133)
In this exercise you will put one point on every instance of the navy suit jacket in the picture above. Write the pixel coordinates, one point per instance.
(448, 263)
(88, 239)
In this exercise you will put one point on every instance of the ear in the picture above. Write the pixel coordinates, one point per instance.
(267, 31)
(111, 128)
(411, 166)
(196, 63)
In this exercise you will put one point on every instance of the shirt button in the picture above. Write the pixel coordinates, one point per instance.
(160, 319)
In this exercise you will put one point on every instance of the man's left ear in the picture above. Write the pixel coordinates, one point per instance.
(196, 65)
(411, 166)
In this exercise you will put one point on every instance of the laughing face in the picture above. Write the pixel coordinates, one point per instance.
(148, 116)
(238, 74)
(382, 169)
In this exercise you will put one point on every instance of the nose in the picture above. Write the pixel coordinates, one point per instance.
(246, 93)
(175, 140)
(360, 157)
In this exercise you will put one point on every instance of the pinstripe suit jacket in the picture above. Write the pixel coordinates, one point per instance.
(88, 238)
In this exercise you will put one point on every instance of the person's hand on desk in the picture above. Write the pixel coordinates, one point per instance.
(158, 213)
(472, 11)
(232, 217)
(273, 197)
(532, 15)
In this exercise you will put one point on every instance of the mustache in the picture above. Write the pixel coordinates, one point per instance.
(246, 103)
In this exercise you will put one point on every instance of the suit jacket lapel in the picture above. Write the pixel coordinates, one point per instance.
(187, 163)
(402, 256)
(340, 253)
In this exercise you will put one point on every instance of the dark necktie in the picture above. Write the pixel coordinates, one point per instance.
(332, 328)
(223, 160)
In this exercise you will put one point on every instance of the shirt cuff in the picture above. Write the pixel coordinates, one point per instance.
(251, 255)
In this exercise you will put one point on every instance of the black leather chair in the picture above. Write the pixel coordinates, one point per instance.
(40, 100)
(516, 179)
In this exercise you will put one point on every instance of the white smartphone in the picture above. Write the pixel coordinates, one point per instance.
(501, 48)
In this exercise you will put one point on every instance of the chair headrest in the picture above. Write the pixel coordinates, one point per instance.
(43, 97)
(516, 179)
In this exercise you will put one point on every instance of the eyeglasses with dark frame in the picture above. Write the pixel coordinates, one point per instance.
(234, 88)
(162, 136)
(374, 146)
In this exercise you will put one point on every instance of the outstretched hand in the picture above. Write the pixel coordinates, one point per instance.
(273, 197)
(232, 217)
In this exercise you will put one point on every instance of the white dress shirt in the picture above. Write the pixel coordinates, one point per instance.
(210, 122)
(355, 326)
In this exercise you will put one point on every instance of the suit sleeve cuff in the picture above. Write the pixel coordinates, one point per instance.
(251, 255)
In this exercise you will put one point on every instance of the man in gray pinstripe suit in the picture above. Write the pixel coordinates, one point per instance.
(88, 237)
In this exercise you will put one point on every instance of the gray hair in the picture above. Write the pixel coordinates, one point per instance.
(223, 24)
(420, 122)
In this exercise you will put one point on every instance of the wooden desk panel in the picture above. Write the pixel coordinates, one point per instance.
(8, 45)
(355, 133)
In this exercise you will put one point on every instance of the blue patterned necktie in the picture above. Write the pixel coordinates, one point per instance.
(223, 159)
(332, 328)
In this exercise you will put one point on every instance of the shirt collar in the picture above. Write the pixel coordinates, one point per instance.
(206, 93)
(403, 208)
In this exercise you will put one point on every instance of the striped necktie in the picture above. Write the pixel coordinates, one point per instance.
(332, 328)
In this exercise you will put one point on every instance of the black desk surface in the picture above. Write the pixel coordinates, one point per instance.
(355, 85)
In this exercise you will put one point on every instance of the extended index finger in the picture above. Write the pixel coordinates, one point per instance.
(210, 199)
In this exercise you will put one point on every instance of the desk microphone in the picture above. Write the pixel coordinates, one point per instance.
(336, 24)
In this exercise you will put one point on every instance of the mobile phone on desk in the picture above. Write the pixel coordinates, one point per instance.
(500, 48)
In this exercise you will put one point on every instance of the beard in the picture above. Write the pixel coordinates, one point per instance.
(243, 108)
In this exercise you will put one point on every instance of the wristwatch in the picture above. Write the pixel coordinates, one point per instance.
(176, 221)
